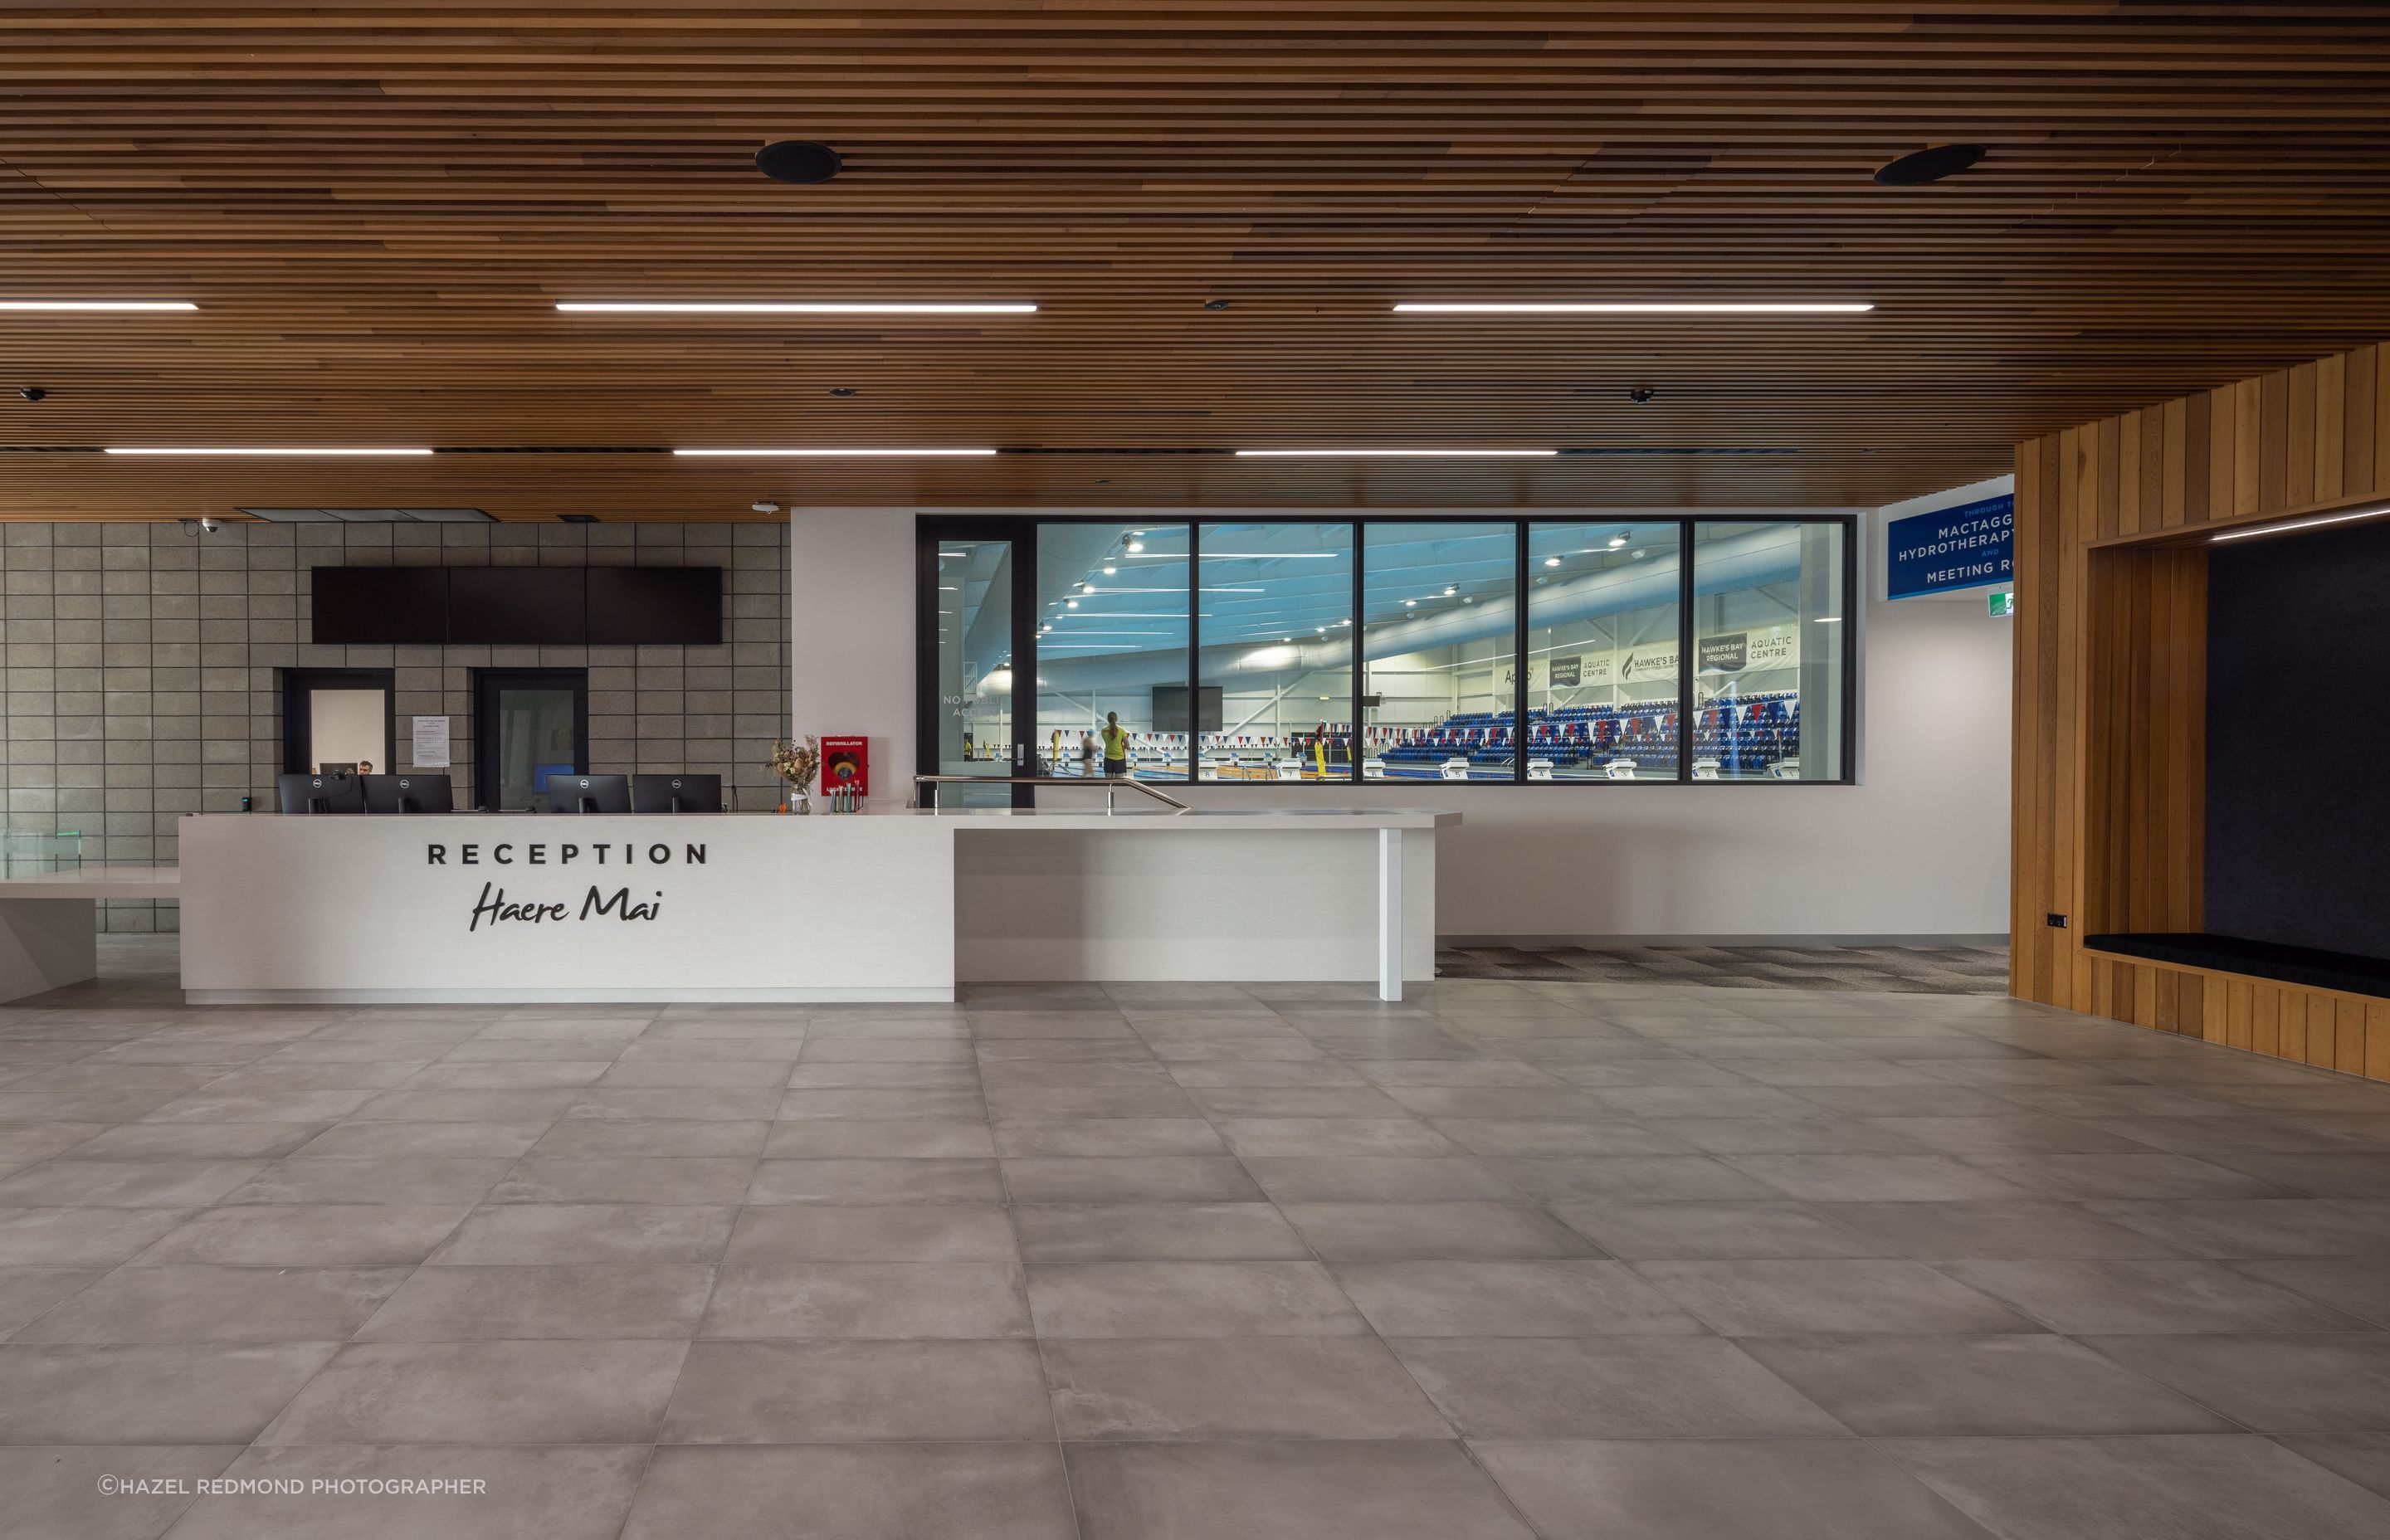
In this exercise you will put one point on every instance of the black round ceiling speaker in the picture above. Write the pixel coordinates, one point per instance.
(797, 161)
(1929, 165)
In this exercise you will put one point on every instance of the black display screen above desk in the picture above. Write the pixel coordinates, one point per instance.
(403, 604)
(632, 605)
(519, 606)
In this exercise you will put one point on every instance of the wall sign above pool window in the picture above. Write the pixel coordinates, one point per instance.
(1968, 546)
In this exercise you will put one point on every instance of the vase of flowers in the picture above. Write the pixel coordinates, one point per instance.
(795, 764)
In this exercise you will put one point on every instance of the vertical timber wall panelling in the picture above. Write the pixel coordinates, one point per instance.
(2110, 706)
(139, 665)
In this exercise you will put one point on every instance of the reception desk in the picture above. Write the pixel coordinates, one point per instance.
(890, 906)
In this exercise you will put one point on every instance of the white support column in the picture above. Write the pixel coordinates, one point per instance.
(1390, 914)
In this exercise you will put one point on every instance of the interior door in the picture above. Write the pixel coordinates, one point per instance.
(528, 725)
(338, 718)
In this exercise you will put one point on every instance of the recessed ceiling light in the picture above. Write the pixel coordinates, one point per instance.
(842, 392)
(793, 307)
(1070, 604)
(97, 304)
(819, 453)
(1616, 541)
(1420, 452)
(1551, 561)
(1635, 307)
(1135, 546)
(1449, 592)
(1112, 571)
(1410, 604)
(1929, 165)
(252, 449)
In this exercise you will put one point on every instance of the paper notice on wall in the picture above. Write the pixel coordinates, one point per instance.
(430, 743)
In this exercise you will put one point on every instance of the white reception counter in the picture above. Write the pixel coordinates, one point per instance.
(898, 906)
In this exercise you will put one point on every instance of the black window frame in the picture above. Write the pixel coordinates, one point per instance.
(1021, 530)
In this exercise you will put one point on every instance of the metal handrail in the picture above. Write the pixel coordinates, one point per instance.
(1111, 788)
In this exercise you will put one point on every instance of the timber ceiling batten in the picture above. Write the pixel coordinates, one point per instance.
(379, 207)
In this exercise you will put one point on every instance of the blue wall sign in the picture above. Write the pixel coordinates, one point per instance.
(1967, 547)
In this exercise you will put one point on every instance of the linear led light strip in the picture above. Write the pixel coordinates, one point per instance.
(1421, 453)
(785, 453)
(1625, 307)
(2300, 524)
(97, 304)
(790, 307)
(252, 449)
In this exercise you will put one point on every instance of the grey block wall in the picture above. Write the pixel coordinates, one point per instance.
(140, 665)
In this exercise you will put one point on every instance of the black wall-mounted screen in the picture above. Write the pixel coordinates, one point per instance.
(1170, 709)
(630, 605)
(405, 605)
(519, 606)
(2298, 628)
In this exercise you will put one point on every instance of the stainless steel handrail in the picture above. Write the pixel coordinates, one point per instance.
(1112, 787)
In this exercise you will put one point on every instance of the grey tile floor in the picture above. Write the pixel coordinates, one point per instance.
(1516, 1258)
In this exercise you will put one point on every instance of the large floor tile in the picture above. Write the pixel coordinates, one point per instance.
(1382, 1232)
(556, 1494)
(484, 1392)
(525, 1234)
(1783, 1489)
(1708, 1231)
(877, 1232)
(71, 1237)
(446, 1305)
(847, 1392)
(986, 1300)
(2271, 1383)
(2217, 1486)
(1236, 1387)
(1773, 1297)
(2005, 1229)
(2162, 1297)
(1992, 1384)
(220, 1304)
(862, 1491)
(1189, 1299)
(149, 1393)
(1156, 1232)
(1508, 1299)
(305, 1235)
(1607, 1386)
(1156, 1178)
(56, 1489)
(1315, 1489)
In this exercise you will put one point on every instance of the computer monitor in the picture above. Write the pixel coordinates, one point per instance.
(407, 794)
(589, 793)
(676, 793)
(319, 794)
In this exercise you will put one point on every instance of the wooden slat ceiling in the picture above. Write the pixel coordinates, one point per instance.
(376, 206)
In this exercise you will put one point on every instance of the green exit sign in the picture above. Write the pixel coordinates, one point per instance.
(2002, 604)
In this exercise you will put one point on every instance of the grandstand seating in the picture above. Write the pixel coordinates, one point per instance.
(1745, 734)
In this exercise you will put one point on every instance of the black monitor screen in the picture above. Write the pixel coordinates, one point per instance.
(1170, 709)
(380, 604)
(517, 606)
(631, 606)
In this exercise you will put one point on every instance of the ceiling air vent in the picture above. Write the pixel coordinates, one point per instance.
(370, 515)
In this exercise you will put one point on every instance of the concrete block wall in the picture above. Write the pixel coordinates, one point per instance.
(140, 666)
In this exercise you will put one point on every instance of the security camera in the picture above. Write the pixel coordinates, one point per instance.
(209, 526)
(1642, 396)
(31, 393)
(765, 506)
